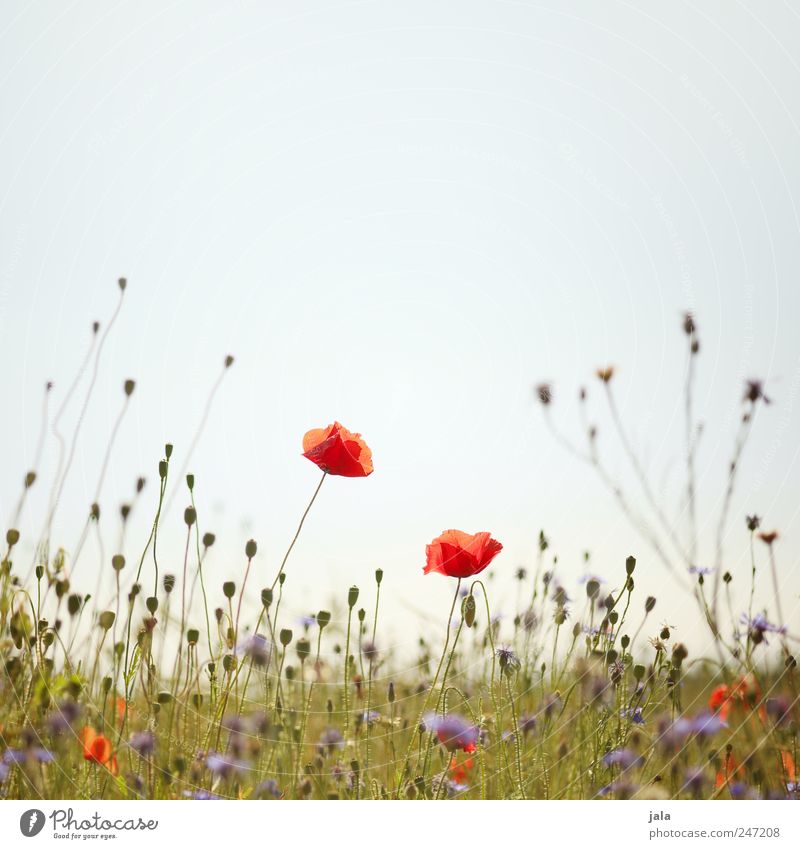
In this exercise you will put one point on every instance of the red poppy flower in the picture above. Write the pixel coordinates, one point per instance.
(460, 555)
(730, 770)
(337, 451)
(97, 748)
(460, 770)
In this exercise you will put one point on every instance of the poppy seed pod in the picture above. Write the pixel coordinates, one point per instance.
(378, 576)
(228, 663)
(323, 618)
(12, 537)
(303, 649)
(168, 450)
(468, 610)
(592, 589)
(228, 361)
(638, 671)
(630, 565)
(229, 589)
(250, 549)
(362, 614)
(650, 603)
(129, 386)
(190, 481)
(162, 469)
(118, 562)
(352, 597)
(106, 619)
(39, 572)
(169, 583)
(266, 597)
(625, 641)
(151, 603)
(125, 511)
(30, 479)
(122, 283)
(73, 604)
(208, 539)
(192, 636)
(62, 588)
(190, 516)
(285, 636)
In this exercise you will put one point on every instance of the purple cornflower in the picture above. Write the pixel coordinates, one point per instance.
(700, 570)
(453, 731)
(624, 758)
(370, 650)
(257, 648)
(584, 579)
(694, 779)
(621, 789)
(307, 621)
(707, 724)
(330, 740)
(3, 772)
(223, 767)
(143, 742)
(63, 717)
(200, 795)
(369, 717)
(267, 789)
(527, 724)
(633, 715)
(507, 659)
(759, 625)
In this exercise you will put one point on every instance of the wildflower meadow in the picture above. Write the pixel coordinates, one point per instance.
(145, 677)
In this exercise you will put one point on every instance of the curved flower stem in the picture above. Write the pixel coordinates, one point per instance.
(299, 528)
(407, 757)
(515, 725)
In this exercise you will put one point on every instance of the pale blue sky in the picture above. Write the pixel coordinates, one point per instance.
(402, 216)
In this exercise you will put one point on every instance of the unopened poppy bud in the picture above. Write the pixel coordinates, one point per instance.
(168, 450)
(190, 482)
(303, 649)
(228, 361)
(106, 619)
(727, 577)
(609, 602)
(285, 636)
(12, 537)
(323, 618)
(162, 469)
(122, 283)
(613, 617)
(378, 576)
(630, 565)
(151, 603)
(282, 578)
(140, 482)
(218, 614)
(228, 663)
(625, 641)
(62, 588)
(250, 549)
(266, 597)
(611, 656)
(638, 671)
(576, 630)
(192, 636)
(208, 539)
(125, 511)
(468, 610)
(118, 562)
(129, 386)
(106, 684)
(289, 673)
(352, 597)
(592, 589)
(649, 603)
(361, 614)
(169, 583)
(390, 694)
(39, 572)
(73, 604)
(229, 589)
(190, 516)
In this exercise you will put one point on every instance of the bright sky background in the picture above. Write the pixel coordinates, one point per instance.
(403, 216)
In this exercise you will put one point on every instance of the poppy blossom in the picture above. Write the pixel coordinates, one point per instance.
(730, 770)
(461, 555)
(460, 770)
(337, 451)
(744, 695)
(97, 748)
